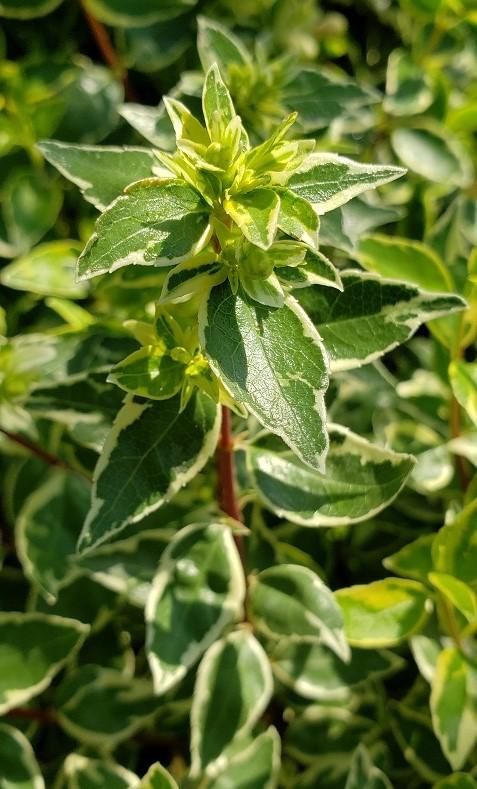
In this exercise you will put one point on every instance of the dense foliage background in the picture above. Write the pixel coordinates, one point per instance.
(375, 684)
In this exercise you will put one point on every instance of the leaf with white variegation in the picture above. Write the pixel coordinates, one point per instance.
(47, 529)
(18, 765)
(359, 481)
(463, 379)
(363, 773)
(152, 123)
(127, 566)
(383, 613)
(401, 258)
(297, 218)
(256, 214)
(434, 154)
(81, 772)
(316, 270)
(314, 672)
(291, 603)
(216, 44)
(157, 777)
(153, 449)
(217, 104)
(48, 270)
(33, 649)
(101, 172)
(454, 549)
(198, 590)
(453, 715)
(255, 766)
(149, 372)
(273, 362)
(155, 224)
(236, 661)
(371, 316)
(321, 96)
(457, 592)
(102, 706)
(413, 560)
(327, 180)
(344, 226)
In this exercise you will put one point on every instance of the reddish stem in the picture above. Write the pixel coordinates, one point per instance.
(455, 426)
(38, 715)
(39, 452)
(109, 54)
(226, 475)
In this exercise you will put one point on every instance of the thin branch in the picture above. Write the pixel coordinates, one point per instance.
(455, 429)
(108, 53)
(45, 716)
(39, 452)
(227, 495)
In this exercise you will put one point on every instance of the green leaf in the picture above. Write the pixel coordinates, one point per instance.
(199, 589)
(103, 706)
(47, 530)
(459, 594)
(149, 372)
(297, 218)
(81, 772)
(408, 88)
(101, 172)
(155, 47)
(414, 560)
(154, 224)
(272, 361)
(255, 766)
(217, 104)
(454, 549)
(92, 100)
(456, 781)
(268, 292)
(314, 672)
(433, 154)
(216, 44)
(152, 123)
(414, 735)
(363, 773)
(316, 270)
(33, 648)
(371, 316)
(19, 768)
(157, 777)
(383, 613)
(152, 450)
(324, 732)
(137, 13)
(127, 566)
(327, 180)
(31, 203)
(453, 716)
(463, 379)
(256, 213)
(237, 669)
(399, 258)
(291, 603)
(48, 270)
(360, 480)
(344, 227)
(186, 126)
(27, 9)
(321, 97)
